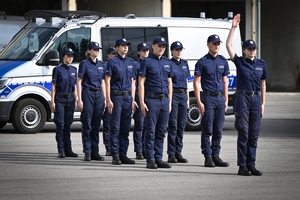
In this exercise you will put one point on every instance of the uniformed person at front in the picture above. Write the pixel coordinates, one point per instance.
(211, 71)
(249, 101)
(91, 97)
(180, 99)
(63, 100)
(155, 92)
(120, 92)
(111, 52)
(138, 128)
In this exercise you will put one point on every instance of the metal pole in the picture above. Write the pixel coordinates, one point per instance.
(258, 29)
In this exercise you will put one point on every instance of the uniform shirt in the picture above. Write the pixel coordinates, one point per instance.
(157, 71)
(65, 78)
(212, 69)
(121, 71)
(181, 72)
(250, 73)
(92, 73)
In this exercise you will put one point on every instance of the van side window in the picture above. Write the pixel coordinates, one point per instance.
(76, 39)
(133, 35)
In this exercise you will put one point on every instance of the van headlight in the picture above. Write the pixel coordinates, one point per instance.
(4, 83)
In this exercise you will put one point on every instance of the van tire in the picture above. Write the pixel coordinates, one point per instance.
(2, 124)
(28, 116)
(193, 122)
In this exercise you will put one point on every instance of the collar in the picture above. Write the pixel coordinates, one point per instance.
(176, 61)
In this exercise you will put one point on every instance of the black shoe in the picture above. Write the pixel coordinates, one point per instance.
(116, 160)
(151, 165)
(254, 171)
(126, 160)
(181, 159)
(87, 157)
(162, 164)
(61, 154)
(139, 156)
(71, 154)
(96, 156)
(209, 162)
(144, 154)
(172, 159)
(243, 171)
(107, 153)
(219, 162)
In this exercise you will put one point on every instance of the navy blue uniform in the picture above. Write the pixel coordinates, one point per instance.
(248, 111)
(178, 114)
(65, 78)
(93, 103)
(212, 70)
(138, 117)
(157, 71)
(121, 71)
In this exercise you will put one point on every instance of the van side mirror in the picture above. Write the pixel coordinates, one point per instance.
(52, 58)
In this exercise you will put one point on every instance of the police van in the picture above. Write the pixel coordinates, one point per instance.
(27, 62)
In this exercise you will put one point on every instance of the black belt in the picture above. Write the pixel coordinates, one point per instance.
(64, 95)
(156, 96)
(249, 93)
(95, 89)
(212, 93)
(179, 90)
(120, 93)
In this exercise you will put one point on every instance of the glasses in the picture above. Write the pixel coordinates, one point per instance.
(95, 49)
(251, 49)
(216, 43)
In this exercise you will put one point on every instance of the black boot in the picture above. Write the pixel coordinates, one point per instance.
(219, 162)
(181, 159)
(254, 171)
(87, 157)
(61, 154)
(172, 159)
(243, 171)
(209, 162)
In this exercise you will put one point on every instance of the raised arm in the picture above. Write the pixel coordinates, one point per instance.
(235, 22)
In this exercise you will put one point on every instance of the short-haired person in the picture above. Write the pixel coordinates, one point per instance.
(63, 101)
(91, 97)
(211, 71)
(155, 92)
(120, 92)
(180, 101)
(138, 129)
(111, 52)
(249, 102)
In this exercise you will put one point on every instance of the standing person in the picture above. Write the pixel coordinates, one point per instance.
(180, 102)
(138, 129)
(120, 92)
(91, 97)
(111, 52)
(211, 71)
(63, 100)
(250, 101)
(155, 92)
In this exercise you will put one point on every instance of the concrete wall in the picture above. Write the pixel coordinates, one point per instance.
(280, 44)
(120, 8)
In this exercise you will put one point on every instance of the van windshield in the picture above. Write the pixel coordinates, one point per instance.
(27, 43)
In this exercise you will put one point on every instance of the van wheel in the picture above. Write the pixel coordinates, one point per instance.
(193, 122)
(2, 124)
(28, 116)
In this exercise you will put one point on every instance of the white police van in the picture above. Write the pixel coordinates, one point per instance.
(27, 62)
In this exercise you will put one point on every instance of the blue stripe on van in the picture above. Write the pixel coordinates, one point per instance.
(6, 66)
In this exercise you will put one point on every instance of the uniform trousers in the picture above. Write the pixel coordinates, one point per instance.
(177, 122)
(248, 116)
(63, 119)
(120, 122)
(212, 124)
(93, 107)
(155, 125)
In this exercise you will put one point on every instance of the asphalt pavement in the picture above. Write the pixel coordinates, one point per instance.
(30, 169)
